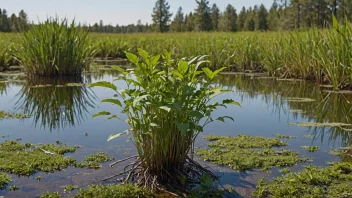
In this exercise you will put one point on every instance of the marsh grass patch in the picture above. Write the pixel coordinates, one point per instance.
(244, 152)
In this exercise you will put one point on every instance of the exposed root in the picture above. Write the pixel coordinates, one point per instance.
(167, 180)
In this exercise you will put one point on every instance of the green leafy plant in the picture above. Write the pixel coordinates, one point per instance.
(55, 48)
(167, 102)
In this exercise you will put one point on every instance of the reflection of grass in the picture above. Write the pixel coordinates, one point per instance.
(58, 105)
(296, 111)
(296, 99)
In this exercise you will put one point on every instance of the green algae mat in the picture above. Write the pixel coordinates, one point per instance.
(244, 152)
(332, 182)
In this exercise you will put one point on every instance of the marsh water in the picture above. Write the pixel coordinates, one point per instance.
(62, 109)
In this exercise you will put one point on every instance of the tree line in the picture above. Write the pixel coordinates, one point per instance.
(13, 23)
(283, 15)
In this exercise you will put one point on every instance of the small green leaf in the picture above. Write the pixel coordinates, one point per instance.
(138, 99)
(132, 58)
(230, 101)
(217, 91)
(111, 137)
(183, 127)
(166, 108)
(104, 84)
(222, 119)
(208, 72)
(196, 114)
(182, 67)
(218, 71)
(120, 70)
(102, 113)
(113, 101)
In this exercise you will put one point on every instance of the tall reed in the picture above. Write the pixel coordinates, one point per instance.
(55, 48)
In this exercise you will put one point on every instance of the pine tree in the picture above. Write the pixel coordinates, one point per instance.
(189, 22)
(249, 24)
(22, 21)
(177, 24)
(5, 22)
(241, 19)
(161, 16)
(228, 19)
(215, 14)
(202, 16)
(262, 19)
(273, 17)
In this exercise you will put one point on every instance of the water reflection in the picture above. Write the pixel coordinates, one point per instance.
(3, 88)
(55, 103)
(324, 108)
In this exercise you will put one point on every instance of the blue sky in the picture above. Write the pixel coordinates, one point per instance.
(110, 11)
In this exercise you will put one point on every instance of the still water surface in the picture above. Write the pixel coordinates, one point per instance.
(64, 113)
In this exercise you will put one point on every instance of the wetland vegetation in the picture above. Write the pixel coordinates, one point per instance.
(172, 94)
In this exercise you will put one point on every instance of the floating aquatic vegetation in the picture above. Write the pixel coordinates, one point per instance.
(70, 188)
(75, 84)
(4, 180)
(315, 124)
(308, 136)
(13, 188)
(114, 191)
(244, 152)
(296, 99)
(285, 170)
(50, 195)
(312, 181)
(345, 153)
(15, 158)
(311, 148)
(93, 161)
(8, 115)
(284, 136)
(296, 111)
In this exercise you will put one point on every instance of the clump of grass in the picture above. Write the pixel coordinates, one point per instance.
(277, 135)
(93, 161)
(311, 148)
(5, 54)
(13, 188)
(312, 181)
(285, 170)
(4, 180)
(8, 115)
(246, 152)
(114, 191)
(55, 48)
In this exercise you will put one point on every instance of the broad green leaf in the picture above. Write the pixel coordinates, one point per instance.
(144, 54)
(197, 114)
(166, 108)
(102, 113)
(104, 84)
(199, 63)
(113, 101)
(230, 101)
(111, 137)
(208, 72)
(182, 67)
(178, 74)
(183, 127)
(132, 58)
(155, 60)
(120, 70)
(153, 125)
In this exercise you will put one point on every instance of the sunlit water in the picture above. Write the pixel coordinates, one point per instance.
(65, 114)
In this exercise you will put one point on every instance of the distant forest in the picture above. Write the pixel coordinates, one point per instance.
(283, 15)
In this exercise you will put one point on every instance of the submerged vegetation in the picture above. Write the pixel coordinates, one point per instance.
(93, 161)
(334, 181)
(311, 148)
(165, 102)
(244, 152)
(55, 48)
